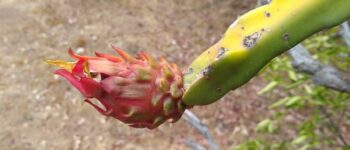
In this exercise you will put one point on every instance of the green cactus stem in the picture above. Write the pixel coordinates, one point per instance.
(255, 39)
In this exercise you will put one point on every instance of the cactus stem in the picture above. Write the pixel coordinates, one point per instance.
(253, 40)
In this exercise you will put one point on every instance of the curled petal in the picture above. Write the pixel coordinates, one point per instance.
(106, 112)
(151, 61)
(76, 56)
(142, 56)
(87, 86)
(125, 56)
(73, 80)
(78, 69)
(108, 57)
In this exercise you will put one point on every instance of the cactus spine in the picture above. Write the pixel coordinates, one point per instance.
(253, 40)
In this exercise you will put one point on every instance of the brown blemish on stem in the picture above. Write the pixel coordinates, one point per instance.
(205, 72)
(221, 52)
(286, 36)
(189, 71)
(250, 40)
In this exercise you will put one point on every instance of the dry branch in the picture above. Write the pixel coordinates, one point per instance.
(345, 32)
(194, 121)
(324, 75)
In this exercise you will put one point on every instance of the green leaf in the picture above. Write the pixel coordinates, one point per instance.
(251, 145)
(279, 103)
(308, 89)
(279, 146)
(306, 147)
(266, 126)
(292, 75)
(293, 101)
(296, 83)
(300, 139)
(268, 87)
(346, 148)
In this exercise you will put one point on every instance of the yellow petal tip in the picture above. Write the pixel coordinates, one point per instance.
(62, 64)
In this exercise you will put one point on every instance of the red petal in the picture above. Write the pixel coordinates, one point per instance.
(112, 85)
(125, 56)
(73, 80)
(124, 73)
(91, 87)
(142, 56)
(72, 54)
(107, 112)
(79, 68)
(105, 66)
(108, 57)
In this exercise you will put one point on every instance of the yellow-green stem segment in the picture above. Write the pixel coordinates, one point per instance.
(253, 40)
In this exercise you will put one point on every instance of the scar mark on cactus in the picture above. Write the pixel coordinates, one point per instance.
(218, 89)
(250, 40)
(189, 71)
(221, 52)
(267, 14)
(286, 36)
(205, 72)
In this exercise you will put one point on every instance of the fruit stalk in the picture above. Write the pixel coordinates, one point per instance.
(253, 40)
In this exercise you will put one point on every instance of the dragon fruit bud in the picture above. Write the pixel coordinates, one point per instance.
(142, 92)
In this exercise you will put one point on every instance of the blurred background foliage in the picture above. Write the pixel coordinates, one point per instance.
(322, 114)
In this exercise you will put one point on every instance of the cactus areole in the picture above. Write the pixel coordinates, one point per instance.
(143, 92)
